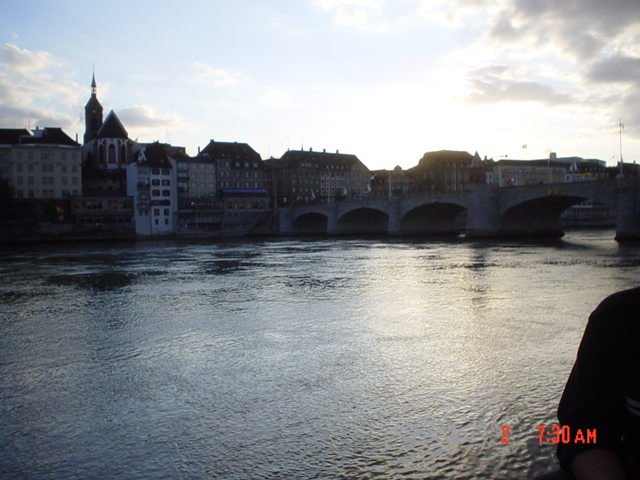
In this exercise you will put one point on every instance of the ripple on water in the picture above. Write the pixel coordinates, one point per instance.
(319, 358)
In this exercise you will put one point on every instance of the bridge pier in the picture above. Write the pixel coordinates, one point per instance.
(483, 217)
(628, 227)
(332, 224)
(394, 227)
(285, 221)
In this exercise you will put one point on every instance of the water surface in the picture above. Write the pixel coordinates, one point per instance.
(313, 358)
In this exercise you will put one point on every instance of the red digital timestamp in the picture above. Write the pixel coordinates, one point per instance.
(557, 434)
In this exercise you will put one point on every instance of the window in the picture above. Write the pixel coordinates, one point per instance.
(30, 166)
(155, 193)
(166, 171)
(74, 168)
(112, 154)
(18, 180)
(74, 180)
(63, 168)
(44, 168)
(155, 182)
(64, 180)
(166, 221)
(156, 212)
(155, 171)
(44, 156)
(29, 180)
(166, 212)
(157, 222)
(166, 193)
(166, 183)
(19, 167)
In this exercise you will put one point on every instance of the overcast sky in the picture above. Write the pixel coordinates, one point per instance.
(386, 80)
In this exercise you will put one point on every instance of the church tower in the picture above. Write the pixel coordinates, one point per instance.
(92, 114)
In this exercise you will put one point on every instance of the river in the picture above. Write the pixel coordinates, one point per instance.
(293, 358)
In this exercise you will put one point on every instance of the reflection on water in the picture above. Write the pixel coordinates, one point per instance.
(292, 359)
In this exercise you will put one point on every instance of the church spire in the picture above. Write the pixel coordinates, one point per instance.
(92, 113)
(93, 82)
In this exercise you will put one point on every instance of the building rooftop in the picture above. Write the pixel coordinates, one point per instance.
(530, 163)
(11, 136)
(231, 150)
(48, 136)
(153, 156)
(293, 158)
(112, 127)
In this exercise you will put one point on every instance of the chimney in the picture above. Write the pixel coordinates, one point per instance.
(310, 149)
(324, 150)
(198, 149)
(337, 151)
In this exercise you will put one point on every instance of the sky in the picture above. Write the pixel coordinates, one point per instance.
(386, 80)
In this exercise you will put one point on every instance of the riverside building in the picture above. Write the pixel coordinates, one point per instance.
(301, 177)
(200, 212)
(152, 182)
(43, 164)
(240, 187)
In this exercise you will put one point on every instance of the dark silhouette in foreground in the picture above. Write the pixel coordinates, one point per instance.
(603, 394)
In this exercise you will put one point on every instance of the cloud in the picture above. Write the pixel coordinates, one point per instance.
(16, 59)
(143, 116)
(496, 83)
(630, 114)
(580, 28)
(355, 13)
(34, 90)
(274, 98)
(453, 13)
(217, 76)
(615, 69)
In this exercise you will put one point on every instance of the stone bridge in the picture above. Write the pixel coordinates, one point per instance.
(483, 211)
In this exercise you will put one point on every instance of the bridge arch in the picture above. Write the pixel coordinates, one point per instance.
(540, 216)
(363, 220)
(310, 223)
(434, 218)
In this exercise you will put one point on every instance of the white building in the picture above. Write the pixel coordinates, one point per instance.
(152, 182)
